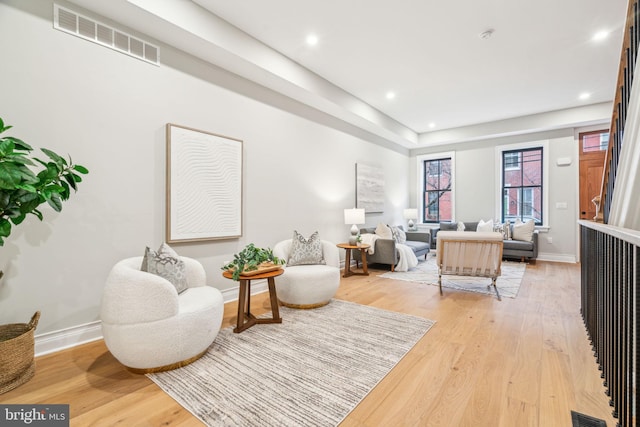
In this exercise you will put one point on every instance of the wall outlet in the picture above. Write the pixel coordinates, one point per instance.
(549, 239)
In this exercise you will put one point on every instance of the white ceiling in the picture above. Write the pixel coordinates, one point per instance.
(540, 58)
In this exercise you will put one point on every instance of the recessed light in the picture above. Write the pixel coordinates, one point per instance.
(600, 35)
(391, 95)
(312, 40)
(432, 125)
(584, 95)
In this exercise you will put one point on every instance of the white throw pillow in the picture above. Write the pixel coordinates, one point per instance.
(460, 226)
(523, 230)
(485, 226)
(383, 231)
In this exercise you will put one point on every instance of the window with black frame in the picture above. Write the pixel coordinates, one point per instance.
(522, 172)
(437, 190)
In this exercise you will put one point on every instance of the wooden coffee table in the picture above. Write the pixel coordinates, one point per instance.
(347, 259)
(245, 318)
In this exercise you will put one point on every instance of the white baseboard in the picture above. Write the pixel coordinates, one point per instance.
(63, 339)
(569, 258)
(51, 342)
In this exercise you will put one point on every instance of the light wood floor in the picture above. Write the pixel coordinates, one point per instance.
(520, 362)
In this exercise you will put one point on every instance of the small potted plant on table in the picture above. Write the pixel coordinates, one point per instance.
(252, 260)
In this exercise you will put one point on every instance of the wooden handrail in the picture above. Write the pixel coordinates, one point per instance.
(623, 90)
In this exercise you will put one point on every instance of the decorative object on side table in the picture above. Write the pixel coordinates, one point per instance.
(22, 190)
(410, 215)
(251, 261)
(355, 217)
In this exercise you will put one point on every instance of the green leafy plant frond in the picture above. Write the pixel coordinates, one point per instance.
(26, 181)
(249, 259)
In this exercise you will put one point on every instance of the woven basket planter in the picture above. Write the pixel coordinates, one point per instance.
(17, 353)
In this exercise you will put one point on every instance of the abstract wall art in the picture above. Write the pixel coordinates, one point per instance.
(204, 185)
(369, 188)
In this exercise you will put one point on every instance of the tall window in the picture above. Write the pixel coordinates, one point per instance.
(437, 190)
(522, 172)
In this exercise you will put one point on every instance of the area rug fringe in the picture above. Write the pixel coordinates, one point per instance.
(427, 272)
(311, 370)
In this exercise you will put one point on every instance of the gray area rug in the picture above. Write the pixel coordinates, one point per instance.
(311, 370)
(427, 272)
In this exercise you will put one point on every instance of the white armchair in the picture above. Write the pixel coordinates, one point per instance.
(148, 326)
(308, 286)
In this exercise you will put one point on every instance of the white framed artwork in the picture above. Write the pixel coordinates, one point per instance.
(204, 185)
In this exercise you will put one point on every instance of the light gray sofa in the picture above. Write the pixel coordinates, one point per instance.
(385, 249)
(510, 249)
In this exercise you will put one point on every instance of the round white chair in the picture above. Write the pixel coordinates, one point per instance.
(149, 327)
(308, 286)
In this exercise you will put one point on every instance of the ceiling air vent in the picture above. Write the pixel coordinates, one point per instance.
(89, 29)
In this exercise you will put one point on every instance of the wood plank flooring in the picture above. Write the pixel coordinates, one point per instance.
(519, 362)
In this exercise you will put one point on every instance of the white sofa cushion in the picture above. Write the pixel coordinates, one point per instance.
(485, 226)
(383, 231)
(523, 230)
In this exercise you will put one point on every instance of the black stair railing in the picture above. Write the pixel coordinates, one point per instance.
(610, 300)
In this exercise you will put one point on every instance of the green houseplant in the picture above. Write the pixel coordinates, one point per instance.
(251, 258)
(27, 181)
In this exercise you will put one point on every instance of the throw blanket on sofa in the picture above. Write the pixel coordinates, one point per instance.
(407, 259)
(370, 239)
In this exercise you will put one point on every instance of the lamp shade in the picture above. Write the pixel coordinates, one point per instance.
(354, 216)
(411, 214)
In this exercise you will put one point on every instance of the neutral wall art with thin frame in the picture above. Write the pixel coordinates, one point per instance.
(369, 188)
(204, 185)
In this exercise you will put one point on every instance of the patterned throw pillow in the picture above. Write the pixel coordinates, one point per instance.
(166, 263)
(398, 235)
(306, 251)
(506, 230)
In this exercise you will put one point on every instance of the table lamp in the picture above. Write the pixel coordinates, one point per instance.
(411, 214)
(353, 216)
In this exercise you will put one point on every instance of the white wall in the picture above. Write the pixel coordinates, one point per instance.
(476, 163)
(109, 112)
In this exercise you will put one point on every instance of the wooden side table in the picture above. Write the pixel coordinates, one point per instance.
(347, 259)
(245, 318)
